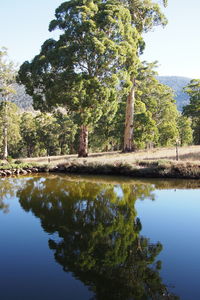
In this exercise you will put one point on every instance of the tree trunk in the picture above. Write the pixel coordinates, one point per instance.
(30, 150)
(83, 142)
(128, 132)
(72, 150)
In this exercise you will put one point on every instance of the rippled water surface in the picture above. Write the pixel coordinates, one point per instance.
(105, 238)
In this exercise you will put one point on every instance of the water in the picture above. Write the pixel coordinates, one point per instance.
(77, 237)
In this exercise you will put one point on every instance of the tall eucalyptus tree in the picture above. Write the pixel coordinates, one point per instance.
(88, 66)
(7, 78)
(145, 14)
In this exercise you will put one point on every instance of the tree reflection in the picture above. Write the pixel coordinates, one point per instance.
(8, 189)
(98, 235)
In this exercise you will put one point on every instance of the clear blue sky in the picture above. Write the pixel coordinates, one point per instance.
(177, 46)
(24, 27)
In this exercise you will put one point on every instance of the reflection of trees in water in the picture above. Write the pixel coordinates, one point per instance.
(8, 189)
(4, 207)
(99, 239)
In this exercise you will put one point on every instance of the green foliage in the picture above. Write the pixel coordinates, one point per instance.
(169, 134)
(177, 83)
(16, 165)
(156, 119)
(47, 134)
(11, 111)
(83, 68)
(107, 134)
(89, 65)
(159, 101)
(18, 161)
(192, 110)
(7, 75)
(193, 90)
(66, 129)
(29, 144)
(9, 159)
(88, 70)
(146, 131)
(146, 14)
(185, 130)
(7, 78)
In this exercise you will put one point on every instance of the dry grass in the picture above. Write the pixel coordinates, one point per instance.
(189, 153)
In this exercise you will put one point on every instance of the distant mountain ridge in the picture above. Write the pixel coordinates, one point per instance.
(177, 83)
(21, 99)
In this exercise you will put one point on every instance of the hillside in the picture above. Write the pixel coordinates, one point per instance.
(21, 99)
(177, 83)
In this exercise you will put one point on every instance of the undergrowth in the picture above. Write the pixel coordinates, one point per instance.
(15, 165)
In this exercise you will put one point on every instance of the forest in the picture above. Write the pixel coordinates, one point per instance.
(91, 92)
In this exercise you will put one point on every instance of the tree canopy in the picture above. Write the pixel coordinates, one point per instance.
(7, 78)
(7, 75)
(89, 65)
(93, 70)
(192, 110)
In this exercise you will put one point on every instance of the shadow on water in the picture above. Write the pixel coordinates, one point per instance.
(98, 234)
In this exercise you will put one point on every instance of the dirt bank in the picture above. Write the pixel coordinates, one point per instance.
(150, 169)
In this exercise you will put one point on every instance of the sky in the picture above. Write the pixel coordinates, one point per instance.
(24, 28)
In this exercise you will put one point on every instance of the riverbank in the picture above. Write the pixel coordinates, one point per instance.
(144, 169)
(155, 163)
(140, 169)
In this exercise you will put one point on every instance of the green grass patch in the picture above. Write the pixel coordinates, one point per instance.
(8, 166)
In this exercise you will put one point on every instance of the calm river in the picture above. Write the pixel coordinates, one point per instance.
(104, 238)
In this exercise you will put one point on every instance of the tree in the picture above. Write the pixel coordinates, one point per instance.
(88, 66)
(107, 133)
(9, 124)
(145, 15)
(159, 102)
(185, 130)
(155, 114)
(47, 134)
(67, 130)
(29, 135)
(192, 110)
(7, 78)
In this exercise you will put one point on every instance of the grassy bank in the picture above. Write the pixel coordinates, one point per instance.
(144, 169)
(189, 153)
(157, 163)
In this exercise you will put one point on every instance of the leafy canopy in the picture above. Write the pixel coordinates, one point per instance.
(192, 110)
(92, 59)
(193, 90)
(7, 75)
